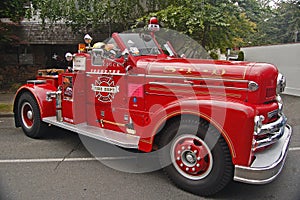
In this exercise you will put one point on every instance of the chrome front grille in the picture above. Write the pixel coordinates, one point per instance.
(268, 134)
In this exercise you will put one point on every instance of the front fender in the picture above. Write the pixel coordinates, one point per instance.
(39, 93)
(233, 119)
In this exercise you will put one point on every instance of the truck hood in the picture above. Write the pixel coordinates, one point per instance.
(223, 78)
(196, 68)
(193, 78)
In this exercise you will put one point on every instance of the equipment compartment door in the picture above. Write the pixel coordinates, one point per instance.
(73, 98)
(107, 96)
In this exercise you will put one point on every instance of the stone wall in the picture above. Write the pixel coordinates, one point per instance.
(38, 44)
(12, 76)
(17, 66)
(35, 33)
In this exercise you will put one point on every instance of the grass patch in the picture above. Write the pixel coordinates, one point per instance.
(6, 107)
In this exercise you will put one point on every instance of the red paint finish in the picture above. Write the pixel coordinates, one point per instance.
(139, 94)
(39, 92)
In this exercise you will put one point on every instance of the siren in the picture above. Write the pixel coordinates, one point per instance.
(153, 24)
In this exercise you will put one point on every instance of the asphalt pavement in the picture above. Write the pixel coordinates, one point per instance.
(60, 167)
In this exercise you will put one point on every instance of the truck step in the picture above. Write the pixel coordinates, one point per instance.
(109, 136)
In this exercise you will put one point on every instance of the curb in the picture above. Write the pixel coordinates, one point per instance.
(6, 114)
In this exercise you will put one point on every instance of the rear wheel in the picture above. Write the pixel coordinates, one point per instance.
(29, 116)
(196, 156)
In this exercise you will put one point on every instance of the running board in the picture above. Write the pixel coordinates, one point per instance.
(109, 136)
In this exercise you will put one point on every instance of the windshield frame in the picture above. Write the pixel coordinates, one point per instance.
(139, 44)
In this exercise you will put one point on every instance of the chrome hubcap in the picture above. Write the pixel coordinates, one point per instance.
(191, 157)
(29, 115)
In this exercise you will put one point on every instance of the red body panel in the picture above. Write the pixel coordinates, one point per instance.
(73, 101)
(39, 92)
(143, 93)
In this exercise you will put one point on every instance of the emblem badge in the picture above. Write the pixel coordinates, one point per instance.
(105, 89)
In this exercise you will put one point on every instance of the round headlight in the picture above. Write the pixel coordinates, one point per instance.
(281, 83)
(253, 86)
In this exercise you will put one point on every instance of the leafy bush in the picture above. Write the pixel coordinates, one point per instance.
(214, 55)
(241, 56)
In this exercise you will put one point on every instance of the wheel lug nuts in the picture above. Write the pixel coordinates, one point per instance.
(179, 152)
(199, 158)
(182, 148)
(195, 151)
(193, 169)
(198, 165)
(189, 147)
(181, 165)
(187, 169)
(178, 158)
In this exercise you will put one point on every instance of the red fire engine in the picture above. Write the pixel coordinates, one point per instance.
(217, 120)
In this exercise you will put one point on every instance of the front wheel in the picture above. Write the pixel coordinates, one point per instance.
(29, 116)
(195, 156)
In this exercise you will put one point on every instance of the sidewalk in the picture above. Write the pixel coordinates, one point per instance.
(6, 99)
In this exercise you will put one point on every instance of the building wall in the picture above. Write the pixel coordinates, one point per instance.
(33, 32)
(12, 76)
(37, 47)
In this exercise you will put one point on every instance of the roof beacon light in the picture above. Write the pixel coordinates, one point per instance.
(153, 24)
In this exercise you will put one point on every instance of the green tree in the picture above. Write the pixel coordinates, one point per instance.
(215, 24)
(287, 22)
(89, 14)
(279, 23)
(14, 11)
(257, 11)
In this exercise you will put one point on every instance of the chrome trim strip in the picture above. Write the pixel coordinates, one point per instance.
(99, 73)
(200, 86)
(35, 82)
(137, 75)
(109, 136)
(191, 78)
(272, 131)
(258, 144)
(280, 105)
(273, 127)
(268, 163)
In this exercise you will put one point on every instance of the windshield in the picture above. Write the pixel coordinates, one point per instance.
(139, 44)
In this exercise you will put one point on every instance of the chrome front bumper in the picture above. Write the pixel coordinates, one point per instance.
(272, 132)
(267, 164)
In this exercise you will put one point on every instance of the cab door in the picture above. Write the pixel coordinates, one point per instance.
(107, 91)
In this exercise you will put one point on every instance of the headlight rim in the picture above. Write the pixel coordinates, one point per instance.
(281, 84)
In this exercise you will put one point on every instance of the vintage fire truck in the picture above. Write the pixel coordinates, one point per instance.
(211, 121)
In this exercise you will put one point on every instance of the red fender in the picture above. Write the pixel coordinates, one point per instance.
(38, 91)
(237, 129)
